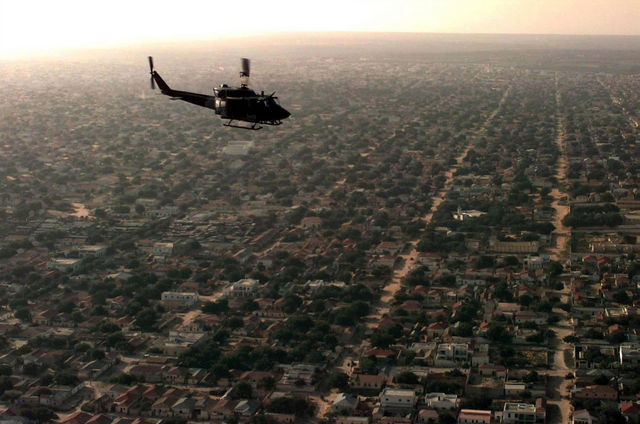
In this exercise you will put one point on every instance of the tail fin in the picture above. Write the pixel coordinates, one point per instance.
(158, 79)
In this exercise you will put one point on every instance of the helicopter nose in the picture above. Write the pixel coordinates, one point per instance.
(283, 113)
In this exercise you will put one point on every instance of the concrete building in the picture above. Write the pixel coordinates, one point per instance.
(518, 413)
(247, 287)
(179, 299)
(397, 399)
(629, 354)
(452, 353)
(474, 416)
(442, 401)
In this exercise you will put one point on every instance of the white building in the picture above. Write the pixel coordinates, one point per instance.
(397, 398)
(629, 353)
(518, 413)
(452, 353)
(65, 264)
(442, 401)
(461, 215)
(247, 287)
(237, 148)
(180, 299)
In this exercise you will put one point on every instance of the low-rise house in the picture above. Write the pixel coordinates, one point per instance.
(582, 416)
(344, 403)
(597, 392)
(449, 354)
(629, 354)
(397, 400)
(65, 264)
(442, 401)
(428, 416)
(345, 419)
(297, 377)
(184, 407)
(246, 407)
(491, 370)
(366, 381)
(180, 299)
(539, 318)
(290, 418)
(150, 373)
(518, 413)
(255, 377)
(630, 410)
(247, 288)
(474, 416)
(514, 389)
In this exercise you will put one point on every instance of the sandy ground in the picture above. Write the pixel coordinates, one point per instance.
(558, 372)
(561, 234)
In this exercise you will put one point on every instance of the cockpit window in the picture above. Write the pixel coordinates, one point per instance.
(270, 101)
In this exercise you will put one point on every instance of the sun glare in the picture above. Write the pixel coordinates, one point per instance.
(38, 25)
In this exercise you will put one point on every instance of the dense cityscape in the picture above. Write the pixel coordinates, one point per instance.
(431, 237)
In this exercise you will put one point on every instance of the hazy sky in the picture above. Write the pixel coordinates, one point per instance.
(32, 25)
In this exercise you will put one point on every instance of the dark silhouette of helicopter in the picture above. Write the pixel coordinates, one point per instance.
(232, 103)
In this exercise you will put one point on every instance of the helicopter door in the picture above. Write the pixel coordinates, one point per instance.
(221, 106)
(251, 109)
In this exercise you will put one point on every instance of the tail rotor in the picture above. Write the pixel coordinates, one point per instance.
(153, 84)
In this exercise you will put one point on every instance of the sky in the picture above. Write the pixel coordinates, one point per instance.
(36, 26)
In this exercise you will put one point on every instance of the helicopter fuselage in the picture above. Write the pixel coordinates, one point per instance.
(232, 103)
(242, 103)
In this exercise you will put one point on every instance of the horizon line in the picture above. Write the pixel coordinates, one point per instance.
(35, 52)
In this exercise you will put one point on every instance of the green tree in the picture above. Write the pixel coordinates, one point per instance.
(146, 319)
(407, 377)
(338, 380)
(23, 314)
(243, 390)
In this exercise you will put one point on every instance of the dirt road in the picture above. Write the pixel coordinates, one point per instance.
(562, 234)
(408, 258)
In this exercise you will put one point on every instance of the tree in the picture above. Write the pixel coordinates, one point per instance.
(262, 419)
(267, 383)
(220, 306)
(66, 378)
(484, 262)
(497, 333)
(6, 369)
(66, 307)
(146, 319)
(407, 377)
(5, 384)
(243, 390)
(338, 380)
(31, 369)
(77, 317)
(286, 405)
(23, 314)
(555, 268)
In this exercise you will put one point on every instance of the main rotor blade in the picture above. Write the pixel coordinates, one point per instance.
(246, 67)
(153, 84)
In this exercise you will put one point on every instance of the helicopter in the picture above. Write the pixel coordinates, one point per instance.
(232, 103)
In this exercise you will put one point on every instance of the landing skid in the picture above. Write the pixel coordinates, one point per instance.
(254, 127)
